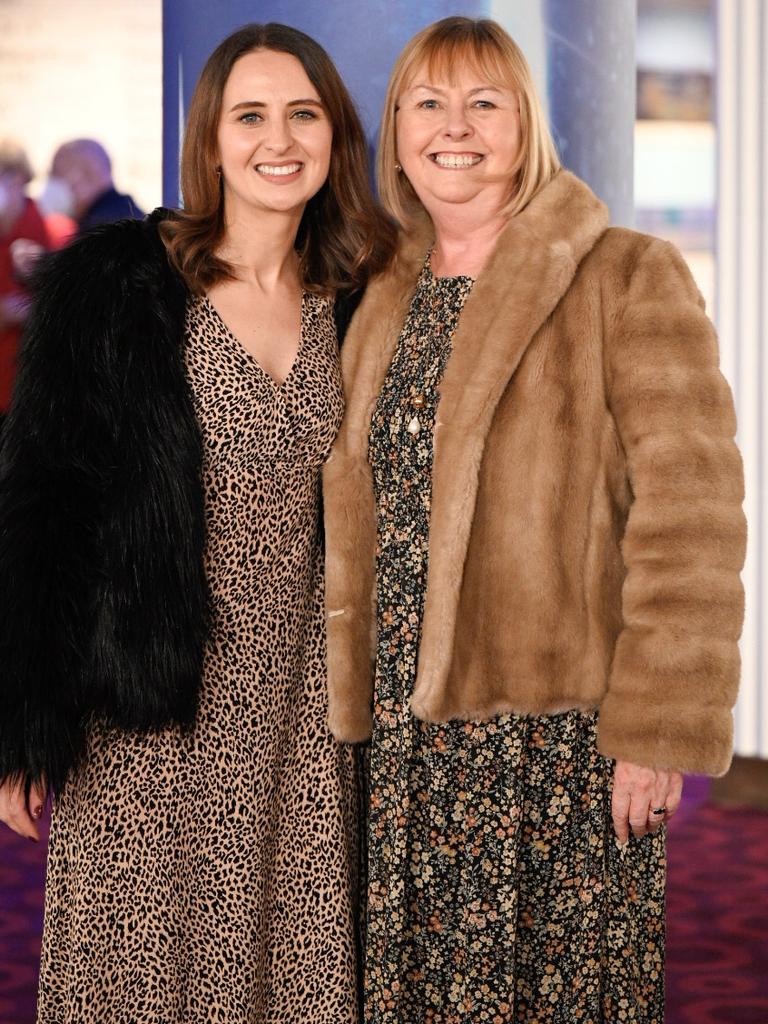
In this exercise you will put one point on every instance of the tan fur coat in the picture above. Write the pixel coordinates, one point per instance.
(586, 530)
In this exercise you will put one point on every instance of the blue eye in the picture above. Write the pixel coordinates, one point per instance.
(304, 115)
(428, 104)
(485, 105)
(250, 118)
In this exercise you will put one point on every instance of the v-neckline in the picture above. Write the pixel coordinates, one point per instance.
(278, 385)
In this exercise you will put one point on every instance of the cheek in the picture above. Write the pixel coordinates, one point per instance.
(234, 147)
(325, 148)
(409, 142)
(508, 141)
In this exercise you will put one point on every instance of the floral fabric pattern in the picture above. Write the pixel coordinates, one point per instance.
(497, 891)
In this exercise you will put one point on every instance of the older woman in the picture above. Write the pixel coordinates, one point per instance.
(534, 538)
(163, 643)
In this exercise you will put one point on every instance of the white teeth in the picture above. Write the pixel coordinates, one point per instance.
(456, 160)
(278, 171)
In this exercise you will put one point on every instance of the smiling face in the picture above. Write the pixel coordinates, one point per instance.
(274, 136)
(458, 141)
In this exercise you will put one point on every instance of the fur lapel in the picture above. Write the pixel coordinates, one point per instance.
(527, 275)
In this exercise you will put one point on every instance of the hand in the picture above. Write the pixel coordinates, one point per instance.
(24, 255)
(18, 813)
(637, 792)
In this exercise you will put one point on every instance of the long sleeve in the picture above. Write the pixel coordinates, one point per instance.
(675, 669)
(102, 592)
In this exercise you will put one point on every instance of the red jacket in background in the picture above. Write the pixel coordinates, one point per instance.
(30, 226)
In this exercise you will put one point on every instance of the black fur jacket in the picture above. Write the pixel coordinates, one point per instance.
(103, 603)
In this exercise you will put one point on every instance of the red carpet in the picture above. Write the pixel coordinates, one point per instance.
(717, 918)
(717, 950)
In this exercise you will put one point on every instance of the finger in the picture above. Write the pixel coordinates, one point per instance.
(659, 802)
(19, 820)
(16, 814)
(620, 813)
(655, 821)
(639, 809)
(675, 794)
(38, 796)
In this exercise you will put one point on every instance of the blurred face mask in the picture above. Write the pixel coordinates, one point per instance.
(56, 197)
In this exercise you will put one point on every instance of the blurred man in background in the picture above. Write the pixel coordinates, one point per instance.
(82, 174)
(23, 237)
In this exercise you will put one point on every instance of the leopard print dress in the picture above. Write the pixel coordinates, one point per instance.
(207, 877)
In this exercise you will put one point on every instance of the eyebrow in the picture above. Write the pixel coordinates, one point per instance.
(260, 103)
(479, 88)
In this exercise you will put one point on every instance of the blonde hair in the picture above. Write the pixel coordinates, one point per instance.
(14, 160)
(482, 44)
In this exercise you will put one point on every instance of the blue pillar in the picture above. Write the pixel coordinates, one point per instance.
(592, 86)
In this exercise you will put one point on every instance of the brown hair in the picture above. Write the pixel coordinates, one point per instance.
(344, 236)
(443, 47)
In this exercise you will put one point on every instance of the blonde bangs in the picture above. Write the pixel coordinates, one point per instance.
(483, 46)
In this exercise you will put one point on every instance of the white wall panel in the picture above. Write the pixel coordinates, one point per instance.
(742, 314)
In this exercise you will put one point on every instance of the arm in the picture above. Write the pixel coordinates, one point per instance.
(56, 461)
(675, 669)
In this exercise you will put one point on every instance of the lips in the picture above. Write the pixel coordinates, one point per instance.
(456, 161)
(278, 170)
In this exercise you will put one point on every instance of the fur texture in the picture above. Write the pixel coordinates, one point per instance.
(102, 590)
(586, 530)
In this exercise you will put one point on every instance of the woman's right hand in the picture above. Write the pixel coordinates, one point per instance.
(18, 813)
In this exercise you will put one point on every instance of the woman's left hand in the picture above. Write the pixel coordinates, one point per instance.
(637, 793)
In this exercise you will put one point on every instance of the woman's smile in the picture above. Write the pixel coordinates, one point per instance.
(455, 161)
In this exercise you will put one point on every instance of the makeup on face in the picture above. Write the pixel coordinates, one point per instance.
(458, 139)
(274, 136)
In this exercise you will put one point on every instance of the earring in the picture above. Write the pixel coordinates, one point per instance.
(398, 168)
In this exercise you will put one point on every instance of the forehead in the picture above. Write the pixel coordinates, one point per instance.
(268, 72)
(461, 67)
(65, 161)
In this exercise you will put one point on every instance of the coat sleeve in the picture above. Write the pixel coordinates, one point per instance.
(675, 669)
(56, 462)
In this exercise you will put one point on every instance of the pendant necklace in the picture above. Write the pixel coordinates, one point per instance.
(414, 425)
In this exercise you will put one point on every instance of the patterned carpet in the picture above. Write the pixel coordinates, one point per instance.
(717, 949)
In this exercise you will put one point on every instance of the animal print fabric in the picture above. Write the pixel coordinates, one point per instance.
(205, 878)
(497, 891)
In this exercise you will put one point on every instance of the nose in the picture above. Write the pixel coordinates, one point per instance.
(456, 124)
(278, 138)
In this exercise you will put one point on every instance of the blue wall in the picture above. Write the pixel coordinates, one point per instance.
(582, 52)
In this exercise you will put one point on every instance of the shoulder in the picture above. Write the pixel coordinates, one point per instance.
(631, 265)
(111, 206)
(121, 257)
(31, 224)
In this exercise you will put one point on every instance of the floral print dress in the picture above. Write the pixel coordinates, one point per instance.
(497, 891)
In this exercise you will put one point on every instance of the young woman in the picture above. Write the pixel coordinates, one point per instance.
(160, 570)
(533, 508)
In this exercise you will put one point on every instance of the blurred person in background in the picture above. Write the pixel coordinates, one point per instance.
(23, 237)
(81, 186)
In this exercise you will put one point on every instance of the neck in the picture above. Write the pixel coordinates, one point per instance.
(260, 245)
(463, 244)
(95, 192)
